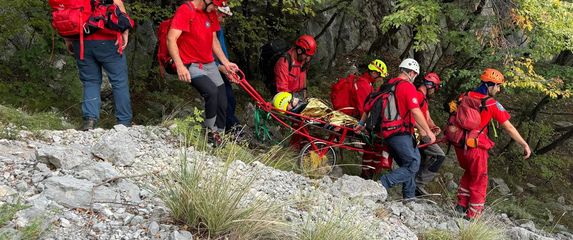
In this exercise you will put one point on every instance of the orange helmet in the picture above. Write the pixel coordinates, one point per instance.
(307, 43)
(493, 76)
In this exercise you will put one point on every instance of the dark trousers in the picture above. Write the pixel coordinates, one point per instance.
(232, 120)
(215, 102)
(407, 156)
(100, 54)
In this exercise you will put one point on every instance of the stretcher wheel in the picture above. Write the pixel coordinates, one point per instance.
(317, 163)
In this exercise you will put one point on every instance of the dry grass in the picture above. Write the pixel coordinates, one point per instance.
(210, 200)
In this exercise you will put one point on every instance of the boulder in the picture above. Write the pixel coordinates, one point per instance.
(181, 235)
(76, 193)
(116, 147)
(518, 233)
(356, 187)
(6, 191)
(98, 172)
(500, 185)
(63, 157)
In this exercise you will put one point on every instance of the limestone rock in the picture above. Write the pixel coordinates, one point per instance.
(118, 148)
(62, 156)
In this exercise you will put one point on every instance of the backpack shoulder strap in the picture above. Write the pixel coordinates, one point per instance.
(191, 7)
(484, 103)
(423, 100)
(289, 60)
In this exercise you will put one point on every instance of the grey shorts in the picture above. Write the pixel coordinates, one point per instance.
(209, 69)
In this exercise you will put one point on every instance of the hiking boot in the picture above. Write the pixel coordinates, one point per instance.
(409, 200)
(421, 191)
(214, 139)
(460, 209)
(367, 174)
(237, 132)
(89, 124)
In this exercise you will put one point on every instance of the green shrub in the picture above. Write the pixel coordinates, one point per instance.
(34, 121)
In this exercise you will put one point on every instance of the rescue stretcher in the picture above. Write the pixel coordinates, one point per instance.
(317, 156)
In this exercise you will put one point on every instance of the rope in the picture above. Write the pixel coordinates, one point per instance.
(261, 129)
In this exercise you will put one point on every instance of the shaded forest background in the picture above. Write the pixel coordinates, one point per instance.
(531, 41)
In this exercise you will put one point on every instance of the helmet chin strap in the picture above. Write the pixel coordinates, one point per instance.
(206, 5)
(409, 78)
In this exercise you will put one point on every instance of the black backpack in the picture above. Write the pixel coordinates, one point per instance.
(375, 103)
(271, 52)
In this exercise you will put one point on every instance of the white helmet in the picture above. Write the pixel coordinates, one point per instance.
(410, 63)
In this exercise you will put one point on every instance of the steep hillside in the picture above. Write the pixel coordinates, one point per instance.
(106, 184)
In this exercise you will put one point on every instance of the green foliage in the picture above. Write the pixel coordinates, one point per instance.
(513, 210)
(141, 11)
(7, 212)
(422, 16)
(523, 75)
(33, 230)
(549, 25)
(13, 120)
(28, 76)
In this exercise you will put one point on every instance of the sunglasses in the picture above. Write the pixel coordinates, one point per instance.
(429, 84)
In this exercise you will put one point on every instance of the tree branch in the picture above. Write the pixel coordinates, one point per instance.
(326, 26)
(558, 142)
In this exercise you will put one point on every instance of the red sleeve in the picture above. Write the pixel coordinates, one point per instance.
(499, 113)
(216, 26)
(408, 93)
(363, 90)
(281, 75)
(182, 18)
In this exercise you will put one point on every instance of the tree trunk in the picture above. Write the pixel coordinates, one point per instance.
(406, 51)
(529, 116)
(565, 58)
(558, 142)
(328, 24)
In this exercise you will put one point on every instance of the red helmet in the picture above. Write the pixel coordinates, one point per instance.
(434, 78)
(219, 3)
(307, 43)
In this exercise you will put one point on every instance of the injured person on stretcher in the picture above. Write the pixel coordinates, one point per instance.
(312, 108)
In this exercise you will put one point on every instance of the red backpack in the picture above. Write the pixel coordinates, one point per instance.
(342, 94)
(69, 18)
(463, 124)
(79, 18)
(165, 61)
(383, 114)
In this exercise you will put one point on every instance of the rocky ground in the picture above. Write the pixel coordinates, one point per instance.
(102, 184)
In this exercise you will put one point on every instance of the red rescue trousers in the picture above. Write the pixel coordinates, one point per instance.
(473, 184)
(371, 161)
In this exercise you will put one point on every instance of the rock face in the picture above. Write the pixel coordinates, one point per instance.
(78, 196)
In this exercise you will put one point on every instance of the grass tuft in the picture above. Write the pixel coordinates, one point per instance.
(338, 227)
(210, 200)
(436, 234)
(7, 212)
(482, 228)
